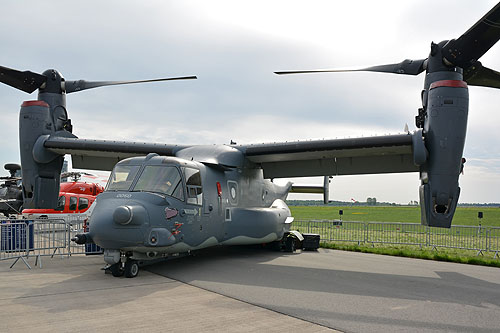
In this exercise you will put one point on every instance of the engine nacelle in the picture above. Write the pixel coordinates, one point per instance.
(41, 169)
(445, 126)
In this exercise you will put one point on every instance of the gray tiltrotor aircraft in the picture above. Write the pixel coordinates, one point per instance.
(166, 199)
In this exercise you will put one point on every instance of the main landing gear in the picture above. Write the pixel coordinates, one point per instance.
(289, 245)
(304, 241)
(295, 240)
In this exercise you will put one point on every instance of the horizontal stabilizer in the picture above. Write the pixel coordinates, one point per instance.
(309, 189)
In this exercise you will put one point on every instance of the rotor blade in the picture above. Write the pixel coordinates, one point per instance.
(26, 81)
(74, 86)
(75, 173)
(410, 67)
(476, 41)
(478, 75)
(7, 178)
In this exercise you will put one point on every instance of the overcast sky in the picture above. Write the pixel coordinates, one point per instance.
(234, 47)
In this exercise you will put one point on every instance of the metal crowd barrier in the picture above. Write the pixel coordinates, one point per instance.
(460, 237)
(395, 233)
(335, 230)
(477, 238)
(494, 241)
(20, 239)
(16, 240)
(49, 237)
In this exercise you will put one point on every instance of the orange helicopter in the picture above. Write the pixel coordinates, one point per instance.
(75, 199)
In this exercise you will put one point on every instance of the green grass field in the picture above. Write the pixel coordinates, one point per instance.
(455, 245)
(405, 214)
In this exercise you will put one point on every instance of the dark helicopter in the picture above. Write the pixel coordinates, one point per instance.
(164, 199)
(11, 197)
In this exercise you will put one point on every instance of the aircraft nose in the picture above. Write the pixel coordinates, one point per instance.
(119, 226)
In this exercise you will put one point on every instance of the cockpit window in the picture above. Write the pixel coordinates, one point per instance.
(72, 203)
(60, 203)
(121, 178)
(161, 179)
(193, 184)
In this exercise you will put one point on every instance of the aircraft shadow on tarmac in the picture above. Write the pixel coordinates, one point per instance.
(249, 266)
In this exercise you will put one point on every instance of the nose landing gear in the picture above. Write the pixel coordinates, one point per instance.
(129, 268)
(116, 269)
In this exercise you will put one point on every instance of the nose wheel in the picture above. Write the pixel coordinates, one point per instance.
(116, 269)
(130, 269)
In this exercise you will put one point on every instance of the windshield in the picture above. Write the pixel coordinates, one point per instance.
(161, 179)
(121, 178)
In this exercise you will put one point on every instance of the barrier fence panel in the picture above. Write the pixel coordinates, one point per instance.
(494, 241)
(16, 239)
(20, 239)
(332, 230)
(301, 225)
(50, 236)
(396, 233)
(348, 231)
(320, 227)
(459, 237)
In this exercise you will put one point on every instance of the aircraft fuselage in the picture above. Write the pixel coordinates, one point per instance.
(155, 205)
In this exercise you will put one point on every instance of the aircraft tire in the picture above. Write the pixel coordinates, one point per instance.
(131, 268)
(116, 270)
(290, 244)
(275, 246)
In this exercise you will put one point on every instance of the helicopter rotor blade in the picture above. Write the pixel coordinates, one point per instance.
(468, 48)
(478, 75)
(79, 85)
(78, 173)
(9, 178)
(408, 67)
(26, 81)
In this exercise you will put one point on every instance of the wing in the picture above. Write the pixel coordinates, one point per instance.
(352, 156)
(104, 154)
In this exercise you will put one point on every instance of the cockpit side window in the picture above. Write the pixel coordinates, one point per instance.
(121, 178)
(193, 186)
(83, 203)
(161, 179)
(60, 203)
(72, 203)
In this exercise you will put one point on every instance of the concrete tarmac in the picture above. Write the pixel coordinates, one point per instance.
(74, 295)
(247, 289)
(351, 292)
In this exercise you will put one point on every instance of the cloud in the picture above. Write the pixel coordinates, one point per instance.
(234, 47)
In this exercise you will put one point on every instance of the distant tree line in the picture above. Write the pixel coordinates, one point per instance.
(374, 202)
(371, 202)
